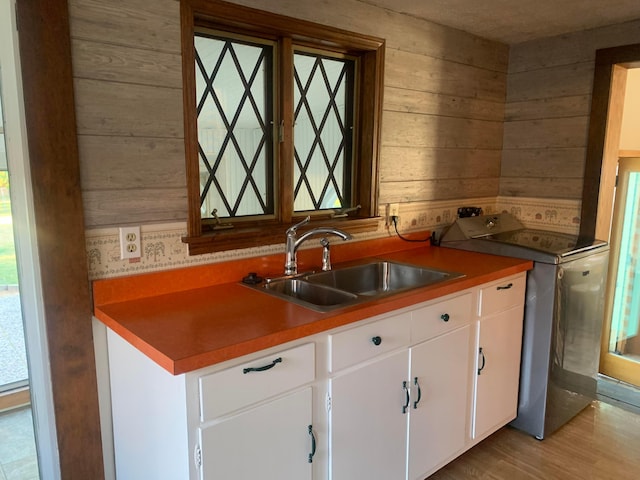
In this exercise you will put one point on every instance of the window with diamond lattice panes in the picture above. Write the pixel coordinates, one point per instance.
(323, 132)
(282, 120)
(234, 107)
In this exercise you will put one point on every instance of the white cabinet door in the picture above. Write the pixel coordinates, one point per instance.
(270, 442)
(368, 425)
(498, 370)
(438, 424)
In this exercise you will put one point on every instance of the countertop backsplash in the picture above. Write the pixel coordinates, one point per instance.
(162, 247)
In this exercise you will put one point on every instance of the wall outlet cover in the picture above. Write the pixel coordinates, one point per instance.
(130, 243)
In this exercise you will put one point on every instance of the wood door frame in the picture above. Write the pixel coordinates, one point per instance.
(45, 56)
(603, 151)
(609, 82)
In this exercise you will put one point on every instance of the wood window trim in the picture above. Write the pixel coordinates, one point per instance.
(222, 15)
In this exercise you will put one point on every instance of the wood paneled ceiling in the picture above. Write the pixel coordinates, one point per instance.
(517, 21)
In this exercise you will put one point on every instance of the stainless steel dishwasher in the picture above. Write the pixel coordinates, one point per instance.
(563, 317)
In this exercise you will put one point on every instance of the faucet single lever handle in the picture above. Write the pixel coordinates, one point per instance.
(295, 227)
(326, 255)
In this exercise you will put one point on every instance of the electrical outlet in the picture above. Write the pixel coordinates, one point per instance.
(129, 242)
(392, 210)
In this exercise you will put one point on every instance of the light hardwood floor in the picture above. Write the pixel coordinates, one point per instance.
(601, 443)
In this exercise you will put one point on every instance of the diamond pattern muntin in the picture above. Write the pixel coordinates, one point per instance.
(234, 123)
(322, 136)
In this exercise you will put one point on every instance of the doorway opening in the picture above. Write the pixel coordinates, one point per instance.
(610, 205)
(620, 352)
(624, 312)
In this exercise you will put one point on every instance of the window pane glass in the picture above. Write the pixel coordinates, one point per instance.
(233, 96)
(323, 132)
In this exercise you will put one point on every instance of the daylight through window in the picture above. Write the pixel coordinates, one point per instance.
(234, 104)
(282, 120)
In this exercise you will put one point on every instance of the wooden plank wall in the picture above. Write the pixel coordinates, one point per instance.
(443, 110)
(128, 91)
(547, 111)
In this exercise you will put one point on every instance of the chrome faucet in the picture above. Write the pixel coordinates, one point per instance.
(326, 254)
(293, 243)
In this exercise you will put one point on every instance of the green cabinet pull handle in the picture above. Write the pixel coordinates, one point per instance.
(445, 317)
(376, 340)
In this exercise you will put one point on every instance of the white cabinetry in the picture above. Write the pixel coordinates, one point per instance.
(392, 397)
(271, 439)
(402, 414)
(440, 369)
(149, 410)
(440, 415)
(368, 426)
(368, 422)
(251, 420)
(500, 309)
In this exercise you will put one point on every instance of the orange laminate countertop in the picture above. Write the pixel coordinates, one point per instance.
(184, 328)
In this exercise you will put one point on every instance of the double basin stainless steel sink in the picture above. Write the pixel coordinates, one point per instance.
(326, 291)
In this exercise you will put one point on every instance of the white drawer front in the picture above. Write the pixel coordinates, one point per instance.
(501, 295)
(362, 343)
(225, 391)
(441, 317)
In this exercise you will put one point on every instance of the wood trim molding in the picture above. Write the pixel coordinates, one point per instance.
(45, 54)
(251, 19)
(596, 193)
(286, 151)
(273, 234)
(194, 226)
(15, 399)
(611, 147)
(628, 153)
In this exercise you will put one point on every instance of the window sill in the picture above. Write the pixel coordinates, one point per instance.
(257, 236)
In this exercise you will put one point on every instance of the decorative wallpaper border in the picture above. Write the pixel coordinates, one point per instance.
(437, 215)
(162, 247)
(559, 215)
